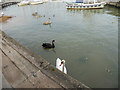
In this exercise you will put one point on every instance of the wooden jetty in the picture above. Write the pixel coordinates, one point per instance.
(21, 68)
(5, 4)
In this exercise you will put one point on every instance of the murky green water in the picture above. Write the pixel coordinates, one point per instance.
(86, 39)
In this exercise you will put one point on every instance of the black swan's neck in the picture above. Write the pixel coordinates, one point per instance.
(53, 45)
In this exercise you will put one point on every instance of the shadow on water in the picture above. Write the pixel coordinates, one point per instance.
(50, 49)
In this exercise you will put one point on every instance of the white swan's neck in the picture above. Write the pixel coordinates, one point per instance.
(63, 67)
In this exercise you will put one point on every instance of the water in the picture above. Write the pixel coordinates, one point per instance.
(86, 39)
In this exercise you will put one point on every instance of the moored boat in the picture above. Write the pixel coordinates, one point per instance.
(35, 2)
(22, 3)
(79, 4)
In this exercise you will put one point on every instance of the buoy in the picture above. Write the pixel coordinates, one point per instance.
(2, 14)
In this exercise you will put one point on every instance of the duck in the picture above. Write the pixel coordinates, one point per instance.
(38, 16)
(47, 22)
(48, 45)
(34, 13)
(60, 64)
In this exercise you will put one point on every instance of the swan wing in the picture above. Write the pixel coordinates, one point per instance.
(47, 45)
(58, 62)
(61, 68)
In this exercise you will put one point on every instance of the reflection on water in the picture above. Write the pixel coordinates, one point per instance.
(113, 10)
(86, 39)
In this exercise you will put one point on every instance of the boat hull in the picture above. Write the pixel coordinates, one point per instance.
(85, 6)
(35, 3)
(23, 3)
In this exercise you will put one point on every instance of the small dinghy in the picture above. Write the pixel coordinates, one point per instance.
(60, 64)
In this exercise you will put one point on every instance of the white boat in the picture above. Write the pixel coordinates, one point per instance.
(60, 64)
(22, 3)
(35, 2)
(79, 4)
(45, 1)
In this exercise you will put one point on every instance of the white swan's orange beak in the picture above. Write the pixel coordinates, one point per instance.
(61, 63)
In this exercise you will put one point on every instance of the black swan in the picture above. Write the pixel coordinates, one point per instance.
(48, 45)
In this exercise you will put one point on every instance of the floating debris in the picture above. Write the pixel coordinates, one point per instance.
(108, 70)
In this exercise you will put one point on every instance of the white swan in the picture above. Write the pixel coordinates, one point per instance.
(60, 64)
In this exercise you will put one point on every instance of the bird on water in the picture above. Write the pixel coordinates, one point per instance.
(48, 45)
(47, 22)
(60, 64)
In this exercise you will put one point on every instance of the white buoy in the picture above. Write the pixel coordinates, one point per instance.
(2, 14)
